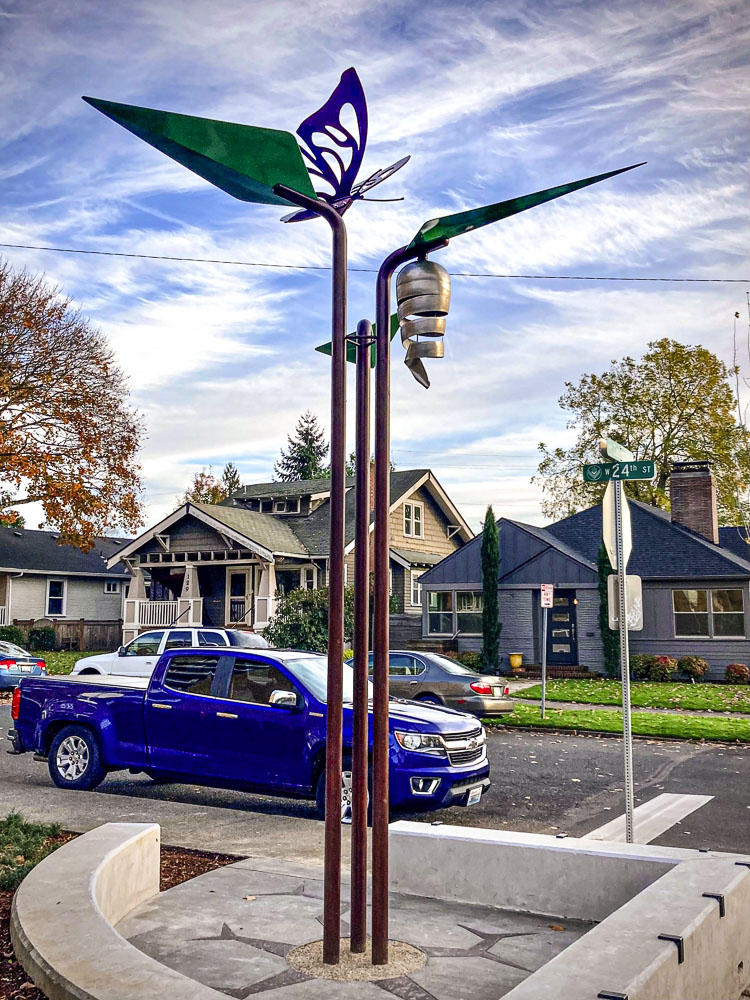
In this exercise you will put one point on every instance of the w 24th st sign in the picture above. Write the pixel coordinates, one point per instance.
(604, 472)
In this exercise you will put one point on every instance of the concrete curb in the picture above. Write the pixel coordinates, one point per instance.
(532, 728)
(64, 912)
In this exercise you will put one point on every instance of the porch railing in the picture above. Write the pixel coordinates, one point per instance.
(3, 615)
(149, 614)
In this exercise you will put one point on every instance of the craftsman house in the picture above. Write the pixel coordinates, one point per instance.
(77, 593)
(225, 564)
(696, 579)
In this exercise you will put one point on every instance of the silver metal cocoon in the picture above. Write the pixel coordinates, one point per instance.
(423, 293)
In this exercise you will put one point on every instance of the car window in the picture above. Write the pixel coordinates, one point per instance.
(144, 645)
(191, 674)
(450, 666)
(255, 682)
(246, 640)
(179, 639)
(9, 649)
(400, 665)
(211, 638)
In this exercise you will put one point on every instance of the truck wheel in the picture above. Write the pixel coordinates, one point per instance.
(74, 760)
(346, 793)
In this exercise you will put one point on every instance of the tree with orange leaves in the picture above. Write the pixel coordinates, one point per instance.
(68, 437)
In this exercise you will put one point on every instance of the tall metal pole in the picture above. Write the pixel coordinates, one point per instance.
(622, 618)
(544, 662)
(360, 740)
(380, 730)
(332, 873)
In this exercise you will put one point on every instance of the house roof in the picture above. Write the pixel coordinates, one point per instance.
(298, 488)
(40, 551)
(661, 548)
(735, 540)
(547, 536)
(273, 533)
(418, 558)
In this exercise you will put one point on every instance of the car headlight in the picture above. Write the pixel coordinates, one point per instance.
(423, 742)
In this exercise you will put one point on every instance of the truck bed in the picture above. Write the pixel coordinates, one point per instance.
(103, 680)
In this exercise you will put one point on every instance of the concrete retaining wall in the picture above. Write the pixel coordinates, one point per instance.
(63, 912)
(636, 892)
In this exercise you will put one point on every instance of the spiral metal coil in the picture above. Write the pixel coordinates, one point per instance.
(423, 293)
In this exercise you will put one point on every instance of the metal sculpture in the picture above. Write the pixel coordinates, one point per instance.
(329, 143)
(423, 293)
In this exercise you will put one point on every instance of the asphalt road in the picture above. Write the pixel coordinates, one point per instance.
(542, 783)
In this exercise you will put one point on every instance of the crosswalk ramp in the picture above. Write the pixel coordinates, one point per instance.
(651, 819)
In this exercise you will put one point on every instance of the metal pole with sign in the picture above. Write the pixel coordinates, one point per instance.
(548, 592)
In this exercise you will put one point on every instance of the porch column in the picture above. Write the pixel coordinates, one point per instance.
(132, 603)
(189, 603)
(265, 600)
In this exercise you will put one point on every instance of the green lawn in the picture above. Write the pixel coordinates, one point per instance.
(23, 845)
(646, 694)
(62, 663)
(663, 726)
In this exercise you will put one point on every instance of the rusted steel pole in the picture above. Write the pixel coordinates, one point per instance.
(360, 740)
(332, 874)
(381, 734)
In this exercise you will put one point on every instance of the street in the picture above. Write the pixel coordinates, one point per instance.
(542, 783)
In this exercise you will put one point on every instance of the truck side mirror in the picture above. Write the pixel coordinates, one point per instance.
(283, 699)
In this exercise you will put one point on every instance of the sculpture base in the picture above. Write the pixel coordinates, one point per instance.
(402, 959)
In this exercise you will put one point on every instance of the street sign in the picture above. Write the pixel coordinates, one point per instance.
(548, 592)
(609, 527)
(634, 611)
(604, 472)
(615, 452)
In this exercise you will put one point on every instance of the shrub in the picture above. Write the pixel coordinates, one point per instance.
(737, 673)
(661, 668)
(471, 660)
(14, 634)
(348, 654)
(301, 620)
(42, 638)
(640, 665)
(693, 666)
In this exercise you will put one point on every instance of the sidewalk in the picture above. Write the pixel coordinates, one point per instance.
(579, 706)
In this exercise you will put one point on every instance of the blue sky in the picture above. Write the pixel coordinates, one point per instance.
(492, 100)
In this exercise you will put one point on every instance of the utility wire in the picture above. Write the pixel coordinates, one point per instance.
(370, 270)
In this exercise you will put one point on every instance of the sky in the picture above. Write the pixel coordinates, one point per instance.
(492, 100)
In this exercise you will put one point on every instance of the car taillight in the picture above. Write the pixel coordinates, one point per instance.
(7, 664)
(15, 705)
(42, 666)
(506, 689)
(480, 687)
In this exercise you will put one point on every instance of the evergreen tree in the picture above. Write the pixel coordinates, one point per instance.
(491, 626)
(230, 479)
(610, 638)
(304, 456)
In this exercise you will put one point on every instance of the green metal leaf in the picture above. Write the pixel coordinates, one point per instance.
(242, 160)
(448, 226)
(351, 349)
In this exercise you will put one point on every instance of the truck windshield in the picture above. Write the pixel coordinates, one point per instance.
(312, 671)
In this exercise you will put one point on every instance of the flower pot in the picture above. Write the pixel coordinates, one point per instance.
(516, 661)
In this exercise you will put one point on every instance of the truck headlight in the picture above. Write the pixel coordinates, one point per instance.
(421, 741)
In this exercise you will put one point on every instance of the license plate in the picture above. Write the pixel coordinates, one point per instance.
(498, 692)
(474, 796)
(26, 670)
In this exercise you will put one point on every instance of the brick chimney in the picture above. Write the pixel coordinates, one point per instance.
(692, 490)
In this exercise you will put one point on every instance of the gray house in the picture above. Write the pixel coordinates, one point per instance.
(696, 584)
(75, 592)
(226, 564)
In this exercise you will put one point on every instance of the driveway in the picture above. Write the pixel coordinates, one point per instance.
(546, 783)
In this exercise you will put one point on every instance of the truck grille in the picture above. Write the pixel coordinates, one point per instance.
(468, 748)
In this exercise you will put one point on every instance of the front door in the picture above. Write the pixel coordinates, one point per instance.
(562, 646)
(239, 604)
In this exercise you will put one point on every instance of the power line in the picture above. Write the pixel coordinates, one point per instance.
(370, 270)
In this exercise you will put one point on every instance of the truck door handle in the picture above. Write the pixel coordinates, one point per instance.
(156, 704)
(226, 715)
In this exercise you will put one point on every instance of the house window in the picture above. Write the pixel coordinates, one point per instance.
(413, 519)
(266, 506)
(308, 578)
(279, 506)
(56, 594)
(707, 614)
(416, 588)
(390, 583)
(111, 586)
(440, 612)
(469, 612)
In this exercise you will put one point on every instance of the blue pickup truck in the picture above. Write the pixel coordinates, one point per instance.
(250, 719)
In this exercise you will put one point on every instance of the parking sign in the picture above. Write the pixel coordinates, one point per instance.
(548, 592)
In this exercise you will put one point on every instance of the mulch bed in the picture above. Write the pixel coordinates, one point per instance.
(177, 865)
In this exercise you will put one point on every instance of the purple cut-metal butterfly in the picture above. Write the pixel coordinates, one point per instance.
(334, 152)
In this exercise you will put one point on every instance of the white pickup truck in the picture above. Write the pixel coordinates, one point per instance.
(139, 657)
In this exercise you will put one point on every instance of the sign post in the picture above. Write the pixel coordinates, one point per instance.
(548, 600)
(617, 534)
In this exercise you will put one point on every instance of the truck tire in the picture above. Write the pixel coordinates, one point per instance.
(346, 777)
(74, 760)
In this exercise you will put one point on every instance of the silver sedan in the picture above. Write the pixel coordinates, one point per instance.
(440, 680)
